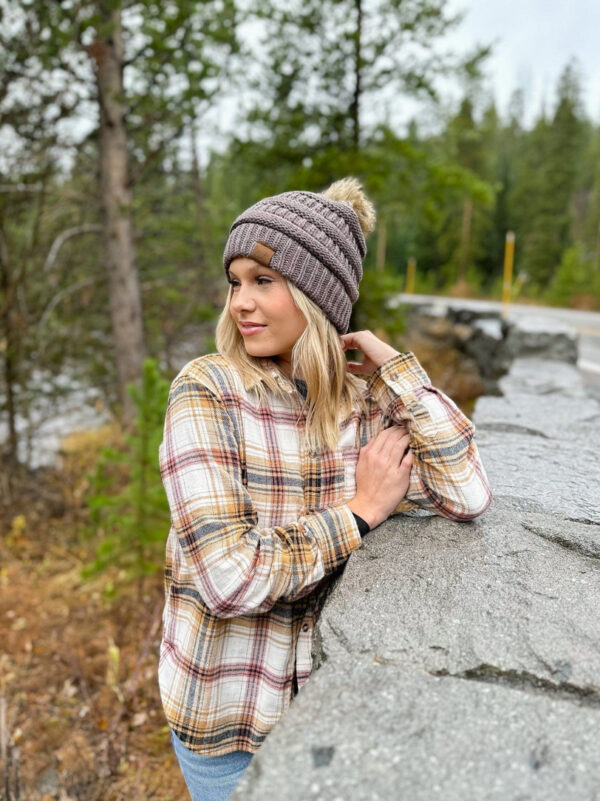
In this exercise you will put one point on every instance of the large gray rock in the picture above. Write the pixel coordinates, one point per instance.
(539, 336)
(541, 439)
(462, 661)
(379, 732)
(452, 598)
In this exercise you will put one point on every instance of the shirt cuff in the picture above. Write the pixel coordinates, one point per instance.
(337, 533)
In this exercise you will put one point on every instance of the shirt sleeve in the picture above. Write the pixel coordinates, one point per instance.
(447, 476)
(237, 566)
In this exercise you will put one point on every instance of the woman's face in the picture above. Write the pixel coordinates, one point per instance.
(260, 295)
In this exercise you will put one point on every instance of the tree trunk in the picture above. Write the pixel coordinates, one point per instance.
(381, 244)
(212, 288)
(119, 248)
(355, 106)
(465, 240)
(9, 346)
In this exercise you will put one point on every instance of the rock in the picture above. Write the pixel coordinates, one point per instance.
(492, 342)
(460, 661)
(487, 348)
(471, 316)
(537, 336)
(541, 439)
(491, 328)
(380, 732)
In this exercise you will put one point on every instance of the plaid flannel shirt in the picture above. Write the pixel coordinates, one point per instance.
(260, 527)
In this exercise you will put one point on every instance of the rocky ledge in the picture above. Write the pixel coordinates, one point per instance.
(461, 661)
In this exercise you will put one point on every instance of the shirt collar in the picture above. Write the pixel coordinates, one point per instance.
(284, 382)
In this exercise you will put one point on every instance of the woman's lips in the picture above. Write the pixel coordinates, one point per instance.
(248, 330)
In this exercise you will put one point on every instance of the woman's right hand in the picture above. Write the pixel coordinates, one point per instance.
(382, 475)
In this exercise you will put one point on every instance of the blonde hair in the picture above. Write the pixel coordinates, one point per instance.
(317, 357)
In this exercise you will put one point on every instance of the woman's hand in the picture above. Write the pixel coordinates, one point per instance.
(382, 475)
(375, 350)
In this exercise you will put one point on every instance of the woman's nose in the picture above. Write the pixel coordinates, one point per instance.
(242, 298)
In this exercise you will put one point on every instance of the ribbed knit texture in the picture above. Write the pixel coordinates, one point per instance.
(318, 243)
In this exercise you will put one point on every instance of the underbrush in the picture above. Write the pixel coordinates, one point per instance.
(82, 716)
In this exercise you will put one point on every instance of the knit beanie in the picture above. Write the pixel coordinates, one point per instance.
(316, 240)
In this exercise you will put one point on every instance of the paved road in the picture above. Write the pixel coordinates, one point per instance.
(587, 324)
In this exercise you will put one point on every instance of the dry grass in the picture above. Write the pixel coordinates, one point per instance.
(77, 672)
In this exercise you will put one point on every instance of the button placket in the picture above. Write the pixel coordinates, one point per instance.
(288, 387)
(303, 649)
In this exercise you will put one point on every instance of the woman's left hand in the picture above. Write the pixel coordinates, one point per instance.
(375, 350)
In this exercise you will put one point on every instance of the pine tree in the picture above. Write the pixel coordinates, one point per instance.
(548, 179)
(129, 511)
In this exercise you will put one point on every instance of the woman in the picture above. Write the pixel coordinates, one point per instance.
(276, 460)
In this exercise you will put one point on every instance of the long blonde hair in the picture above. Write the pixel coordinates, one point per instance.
(317, 357)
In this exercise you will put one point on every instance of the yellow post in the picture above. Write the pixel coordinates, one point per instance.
(509, 260)
(411, 269)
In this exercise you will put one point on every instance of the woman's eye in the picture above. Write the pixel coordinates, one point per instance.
(261, 281)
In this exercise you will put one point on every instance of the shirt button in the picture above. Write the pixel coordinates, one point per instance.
(305, 627)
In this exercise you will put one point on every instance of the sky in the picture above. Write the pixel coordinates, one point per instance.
(534, 40)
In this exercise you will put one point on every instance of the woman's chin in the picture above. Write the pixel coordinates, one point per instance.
(257, 351)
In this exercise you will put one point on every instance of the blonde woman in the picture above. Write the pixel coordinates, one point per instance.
(277, 459)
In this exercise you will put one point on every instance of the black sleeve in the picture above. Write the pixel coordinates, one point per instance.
(363, 526)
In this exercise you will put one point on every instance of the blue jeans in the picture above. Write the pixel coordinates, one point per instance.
(210, 778)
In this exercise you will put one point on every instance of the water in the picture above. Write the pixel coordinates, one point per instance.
(74, 407)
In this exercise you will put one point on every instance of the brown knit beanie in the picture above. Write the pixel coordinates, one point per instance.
(316, 240)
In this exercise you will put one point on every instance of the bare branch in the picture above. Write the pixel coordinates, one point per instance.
(91, 228)
(60, 295)
(21, 187)
(52, 305)
(64, 192)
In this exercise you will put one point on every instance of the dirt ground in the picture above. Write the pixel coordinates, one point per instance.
(80, 714)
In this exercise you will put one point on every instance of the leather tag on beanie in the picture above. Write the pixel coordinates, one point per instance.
(262, 253)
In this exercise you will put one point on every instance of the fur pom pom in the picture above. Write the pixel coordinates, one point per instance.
(351, 191)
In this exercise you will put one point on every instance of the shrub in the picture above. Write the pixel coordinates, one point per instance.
(128, 508)
(576, 282)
